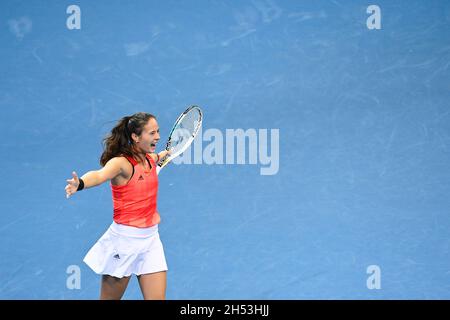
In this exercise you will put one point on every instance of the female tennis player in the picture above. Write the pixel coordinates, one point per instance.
(131, 245)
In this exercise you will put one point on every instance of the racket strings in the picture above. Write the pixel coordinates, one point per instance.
(184, 131)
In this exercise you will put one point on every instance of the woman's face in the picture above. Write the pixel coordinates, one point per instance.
(149, 137)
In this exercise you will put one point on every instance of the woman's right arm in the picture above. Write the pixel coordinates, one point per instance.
(94, 178)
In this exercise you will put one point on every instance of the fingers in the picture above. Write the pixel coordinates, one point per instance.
(72, 185)
(70, 190)
(73, 182)
(69, 193)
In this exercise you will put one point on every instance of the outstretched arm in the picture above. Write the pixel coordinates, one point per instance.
(94, 178)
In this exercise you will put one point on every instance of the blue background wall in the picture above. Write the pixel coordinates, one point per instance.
(364, 122)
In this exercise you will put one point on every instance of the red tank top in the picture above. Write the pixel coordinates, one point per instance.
(135, 202)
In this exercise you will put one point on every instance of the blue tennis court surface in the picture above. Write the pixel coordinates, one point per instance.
(340, 190)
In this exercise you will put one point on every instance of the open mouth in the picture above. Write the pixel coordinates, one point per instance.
(153, 145)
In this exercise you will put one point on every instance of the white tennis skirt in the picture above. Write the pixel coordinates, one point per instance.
(125, 250)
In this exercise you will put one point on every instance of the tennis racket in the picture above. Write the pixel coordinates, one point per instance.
(182, 134)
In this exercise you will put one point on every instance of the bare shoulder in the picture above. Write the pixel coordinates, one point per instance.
(120, 161)
(116, 161)
(123, 166)
(120, 164)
